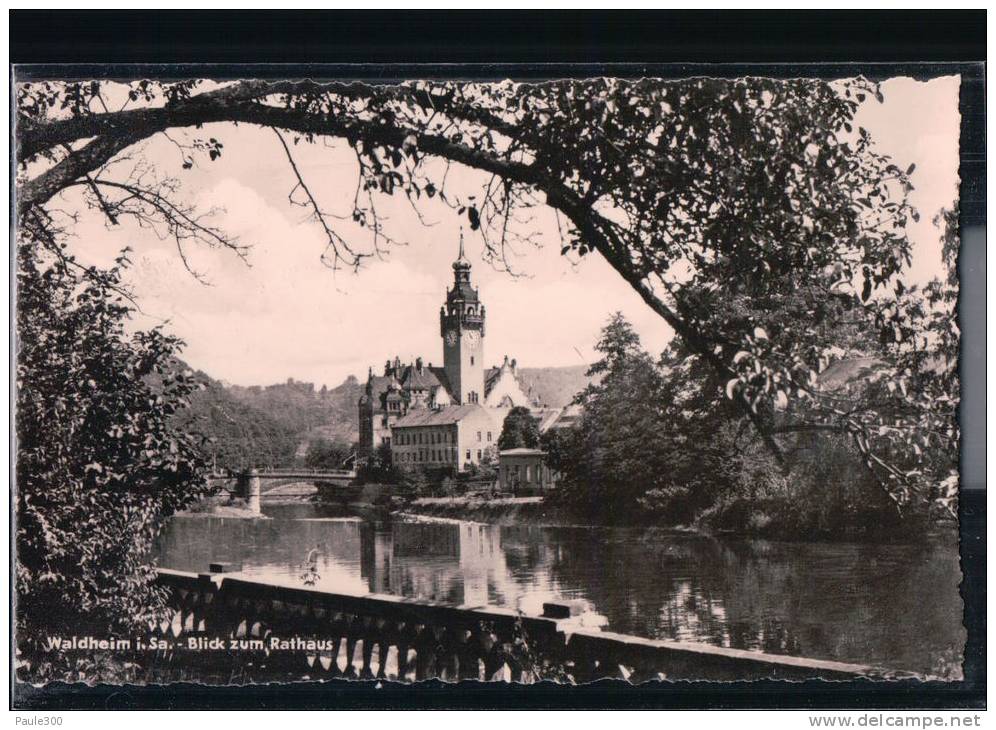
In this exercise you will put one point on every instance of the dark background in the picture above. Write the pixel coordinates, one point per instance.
(529, 45)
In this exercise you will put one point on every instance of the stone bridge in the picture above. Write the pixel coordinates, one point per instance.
(254, 484)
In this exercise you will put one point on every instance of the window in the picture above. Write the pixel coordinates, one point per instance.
(527, 472)
(468, 454)
(478, 454)
(471, 359)
(478, 435)
(489, 437)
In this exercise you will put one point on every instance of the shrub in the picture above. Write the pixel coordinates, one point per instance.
(100, 464)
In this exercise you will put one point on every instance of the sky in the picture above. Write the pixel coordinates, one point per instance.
(283, 314)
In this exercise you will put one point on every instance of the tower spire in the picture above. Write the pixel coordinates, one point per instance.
(461, 257)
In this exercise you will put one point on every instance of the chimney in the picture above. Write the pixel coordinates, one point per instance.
(418, 365)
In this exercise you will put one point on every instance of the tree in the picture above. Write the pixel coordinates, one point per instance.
(100, 463)
(380, 467)
(325, 454)
(720, 201)
(621, 447)
(519, 430)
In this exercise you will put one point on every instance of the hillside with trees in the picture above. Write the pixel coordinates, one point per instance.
(274, 426)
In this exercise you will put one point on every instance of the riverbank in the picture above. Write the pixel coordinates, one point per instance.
(500, 511)
(222, 507)
(536, 511)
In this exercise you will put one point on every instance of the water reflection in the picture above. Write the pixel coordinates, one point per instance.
(893, 605)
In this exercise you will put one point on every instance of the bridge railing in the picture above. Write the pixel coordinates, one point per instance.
(303, 632)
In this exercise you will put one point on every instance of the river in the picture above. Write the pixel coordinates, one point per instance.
(895, 606)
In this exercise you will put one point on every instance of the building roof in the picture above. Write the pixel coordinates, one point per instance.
(378, 385)
(493, 374)
(424, 380)
(490, 378)
(442, 417)
(440, 375)
(522, 452)
(404, 378)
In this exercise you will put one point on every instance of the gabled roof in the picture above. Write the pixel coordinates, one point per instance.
(442, 417)
(440, 375)
(425, 380)
(492, 375)
(490, 378)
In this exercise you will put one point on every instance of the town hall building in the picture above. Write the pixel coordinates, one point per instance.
(449, 415)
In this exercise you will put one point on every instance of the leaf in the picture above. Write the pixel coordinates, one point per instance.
(474, 217)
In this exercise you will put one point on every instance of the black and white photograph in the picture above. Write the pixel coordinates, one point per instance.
(521, 381)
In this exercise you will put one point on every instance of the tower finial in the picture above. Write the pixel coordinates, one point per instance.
(461, 265)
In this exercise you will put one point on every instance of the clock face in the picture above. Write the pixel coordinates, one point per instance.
(473, 337)
(451, 337)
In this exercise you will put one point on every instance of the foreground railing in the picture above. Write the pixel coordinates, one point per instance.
(280, 632)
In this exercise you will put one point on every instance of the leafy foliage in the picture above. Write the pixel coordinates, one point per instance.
(100, 464)
(620, 449)
(239, 435)
(519, 430)
(659, 441)
(324, 454)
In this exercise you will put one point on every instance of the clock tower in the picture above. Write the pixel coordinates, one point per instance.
(461, 324)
